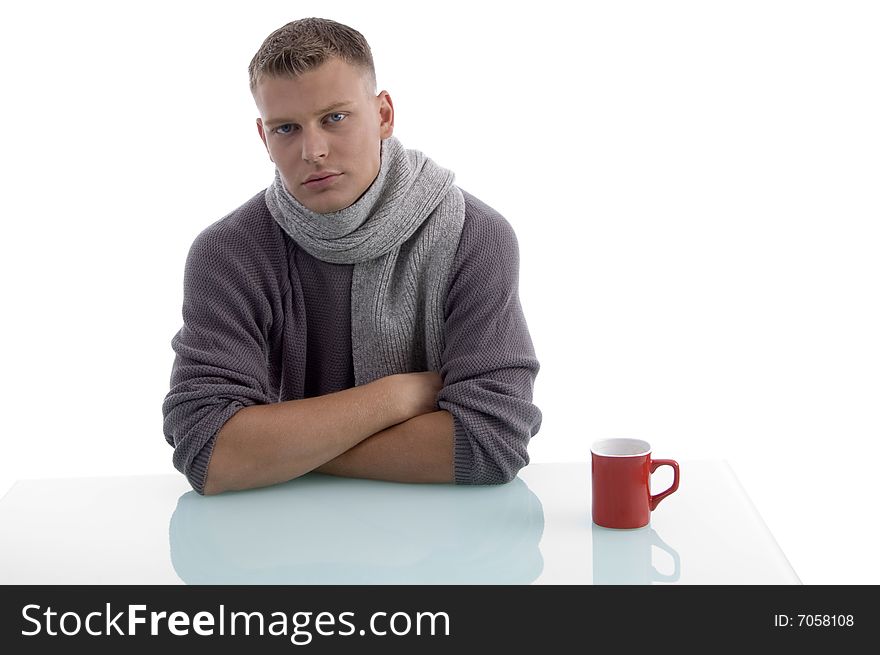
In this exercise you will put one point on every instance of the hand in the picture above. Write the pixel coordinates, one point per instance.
(417, 392)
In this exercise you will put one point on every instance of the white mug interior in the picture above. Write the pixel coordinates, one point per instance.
(621, 447)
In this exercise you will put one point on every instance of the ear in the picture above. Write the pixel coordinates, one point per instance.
(386, 115)
(263, 137)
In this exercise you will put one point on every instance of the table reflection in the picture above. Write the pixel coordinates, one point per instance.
(320, 529)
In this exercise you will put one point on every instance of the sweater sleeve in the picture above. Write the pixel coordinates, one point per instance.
(489, 363)
(222, 350)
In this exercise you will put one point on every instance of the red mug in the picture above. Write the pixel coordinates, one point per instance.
(622, 470)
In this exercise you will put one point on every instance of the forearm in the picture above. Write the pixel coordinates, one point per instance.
(417, 450)
(263, 445)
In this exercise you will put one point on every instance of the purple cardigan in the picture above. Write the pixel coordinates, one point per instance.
(265, 322)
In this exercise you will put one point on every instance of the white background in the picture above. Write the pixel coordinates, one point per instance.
(694, 186)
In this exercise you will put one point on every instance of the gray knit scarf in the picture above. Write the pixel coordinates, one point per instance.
(401, 236)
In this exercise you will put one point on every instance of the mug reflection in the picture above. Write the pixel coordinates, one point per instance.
(625, 557)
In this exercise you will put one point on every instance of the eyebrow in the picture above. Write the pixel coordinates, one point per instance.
(336, 105)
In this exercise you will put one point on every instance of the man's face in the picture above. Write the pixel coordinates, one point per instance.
(324, 123)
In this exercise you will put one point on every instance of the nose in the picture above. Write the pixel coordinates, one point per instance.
(314, 146)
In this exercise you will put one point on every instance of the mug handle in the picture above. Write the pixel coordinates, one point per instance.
(655, 464)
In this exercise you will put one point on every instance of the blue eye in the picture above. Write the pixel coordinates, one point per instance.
(288, 128)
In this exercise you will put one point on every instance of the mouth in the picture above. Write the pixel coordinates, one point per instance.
(320, 182)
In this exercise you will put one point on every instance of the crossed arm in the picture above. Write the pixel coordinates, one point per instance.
(389, 429)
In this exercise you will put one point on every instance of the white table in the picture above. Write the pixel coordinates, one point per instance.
(326, 530)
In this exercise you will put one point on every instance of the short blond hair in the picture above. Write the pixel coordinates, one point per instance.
(305, 44)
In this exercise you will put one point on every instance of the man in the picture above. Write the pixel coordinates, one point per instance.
(360, 316)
